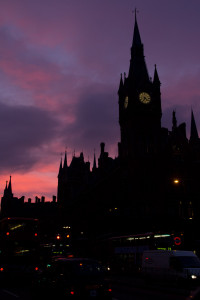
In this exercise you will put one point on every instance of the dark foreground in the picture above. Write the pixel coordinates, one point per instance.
(122, 288)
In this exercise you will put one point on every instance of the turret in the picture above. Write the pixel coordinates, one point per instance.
(121, 86)
(156, 80)
(174, 121)
(60, 168)
(65, 162)
(94, 164)
(9, 190)
(194, 136)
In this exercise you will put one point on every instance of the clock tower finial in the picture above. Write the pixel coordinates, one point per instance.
(135, 11)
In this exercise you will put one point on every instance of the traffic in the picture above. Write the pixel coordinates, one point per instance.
(34, 265)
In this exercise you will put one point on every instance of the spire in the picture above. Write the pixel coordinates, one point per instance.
(65, 161)
(193, 129)
(94, 163)
(138, 71)
(156, 79)
(136, 34)
(174, 121)
(121, 85)
(60, 169)
(8, 189)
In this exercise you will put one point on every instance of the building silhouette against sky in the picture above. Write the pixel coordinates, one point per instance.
(153, 184)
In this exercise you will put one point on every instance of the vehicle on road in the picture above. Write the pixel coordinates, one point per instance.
(19, 247)
(174, 264)
(72, 277)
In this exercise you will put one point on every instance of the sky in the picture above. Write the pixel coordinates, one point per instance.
(60, 66)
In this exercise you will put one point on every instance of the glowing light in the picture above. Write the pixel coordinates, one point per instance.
(16, 226)
(161, 235)
(138, 238)
(1, 269)
(22, 251)
(68, 236)
(7, 233)
(176, 181)
(72, 292)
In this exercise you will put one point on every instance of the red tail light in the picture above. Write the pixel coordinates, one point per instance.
(72, 292)
(36, 268)
(1, 269)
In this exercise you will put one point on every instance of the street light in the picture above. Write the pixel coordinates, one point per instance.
(176, 181)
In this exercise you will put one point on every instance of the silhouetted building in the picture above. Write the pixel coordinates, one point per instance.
(10, 205)
(153, 184)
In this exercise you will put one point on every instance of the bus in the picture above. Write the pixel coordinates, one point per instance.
(19, 247)
(123, 253)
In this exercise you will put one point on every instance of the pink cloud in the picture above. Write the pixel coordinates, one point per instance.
(64, 59)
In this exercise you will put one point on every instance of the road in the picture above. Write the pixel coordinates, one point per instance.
(138, 289)
(120, 292)
(11, 293)
(133, 293)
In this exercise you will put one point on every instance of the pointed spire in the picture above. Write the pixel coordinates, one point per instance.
(136, 34)
(60, 168)
(65, 161)
(121, 85)
(6, 189)
(194, 136)
(138, 71)
(156, 79)
(94, 163)
(9, 188)
(174, 121)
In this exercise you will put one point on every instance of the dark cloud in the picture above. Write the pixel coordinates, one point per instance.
(96, 122)
(23, 129)
(53, 51)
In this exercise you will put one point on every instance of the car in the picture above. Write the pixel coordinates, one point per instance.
(64, 278)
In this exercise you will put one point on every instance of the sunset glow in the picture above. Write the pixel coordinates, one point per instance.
(60, 65)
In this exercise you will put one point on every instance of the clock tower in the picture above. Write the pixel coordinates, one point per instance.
(139, 106)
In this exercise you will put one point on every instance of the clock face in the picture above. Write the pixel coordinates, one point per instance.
(126, 102)
(144, 97)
